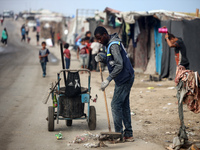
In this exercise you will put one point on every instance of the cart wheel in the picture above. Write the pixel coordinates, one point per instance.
(92, 118)
(50, 118)
(68, 123)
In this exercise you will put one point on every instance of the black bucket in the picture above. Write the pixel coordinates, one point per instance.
(71, 107)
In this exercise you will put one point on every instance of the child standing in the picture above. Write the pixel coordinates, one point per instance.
(67, 55)
(82, 51)
(95, 46)
(23, 32)
(89, 53)
(43, 56)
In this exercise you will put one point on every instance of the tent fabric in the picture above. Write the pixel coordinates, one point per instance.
(128, 17)
(110, 10)
(92, 25)
(189, 31)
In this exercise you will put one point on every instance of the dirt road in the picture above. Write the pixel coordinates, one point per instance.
(22, 113)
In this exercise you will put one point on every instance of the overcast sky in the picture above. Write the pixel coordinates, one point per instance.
(68, 7)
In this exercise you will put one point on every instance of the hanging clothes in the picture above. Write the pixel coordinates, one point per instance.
(187, 85)
(191, 81)
(136, 31)
(125, 34)
(112, 20)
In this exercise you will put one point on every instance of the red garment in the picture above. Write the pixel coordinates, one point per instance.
(88, 47)
(67, 53)
(193, 96)
(38, 29)
(177, 58)
(58, 36)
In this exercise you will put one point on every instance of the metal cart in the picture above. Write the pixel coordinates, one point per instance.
(71, 108)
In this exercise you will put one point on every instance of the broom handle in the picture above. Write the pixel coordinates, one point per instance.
(105, 99)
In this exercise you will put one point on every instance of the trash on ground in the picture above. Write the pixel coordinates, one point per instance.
(91, 145)
(81, 139)
(133, 113)
(170, 133)
(167, 141)
(171, 88)
(101, 144)
(59, 136)
(169, 103)
(85, 137)
(147, 122)
(150, 88)
(191, 133)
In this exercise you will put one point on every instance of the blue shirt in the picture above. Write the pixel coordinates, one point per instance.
(43, 52)
(23, 31)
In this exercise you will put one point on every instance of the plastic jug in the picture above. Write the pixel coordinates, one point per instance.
(163, 30)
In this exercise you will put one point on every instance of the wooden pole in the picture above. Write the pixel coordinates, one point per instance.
(197, 12)
(109, 128)
(63, 64)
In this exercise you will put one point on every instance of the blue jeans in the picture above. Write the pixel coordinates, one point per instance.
(43, 65)
(121, 108)
(67, 61)
(83, 60)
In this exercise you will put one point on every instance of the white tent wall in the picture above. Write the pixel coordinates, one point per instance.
(71, 31)
(81, 27)
(151, 67)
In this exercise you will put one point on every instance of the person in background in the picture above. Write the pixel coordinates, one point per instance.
(180, 49)
(28, 39)
(4, 36)
(67, 55)
(2, 19)
(83, 54)
(27, 30)
(88, 34)
(38, 38)
(23, 32)
(121, 71)
(89, 52)
(95, 46)
(43, 56)
(16, 17)
(58, 38)
(52, 33)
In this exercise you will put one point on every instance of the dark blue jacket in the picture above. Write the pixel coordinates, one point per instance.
(127, 70)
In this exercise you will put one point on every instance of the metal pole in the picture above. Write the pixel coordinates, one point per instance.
(197, 12)
(76, 31)
(63, 64)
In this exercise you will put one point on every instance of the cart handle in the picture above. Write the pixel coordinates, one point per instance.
(75, 70)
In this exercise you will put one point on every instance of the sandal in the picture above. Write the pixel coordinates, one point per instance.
(129, 139)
